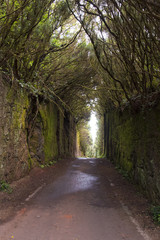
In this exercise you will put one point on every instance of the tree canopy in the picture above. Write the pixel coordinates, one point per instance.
(125, 36)
(80, 52)
(43, 50)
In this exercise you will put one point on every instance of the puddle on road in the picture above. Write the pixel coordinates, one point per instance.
(92, 161)
(76, 166)
(72, 182)
(82, 181)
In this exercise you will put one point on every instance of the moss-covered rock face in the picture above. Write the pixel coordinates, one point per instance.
(31, 133)
(49, 115)
(35, 140)
(59, 132)
(13, 143)
(133, 143)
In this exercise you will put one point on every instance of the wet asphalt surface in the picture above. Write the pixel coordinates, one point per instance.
(79, 205)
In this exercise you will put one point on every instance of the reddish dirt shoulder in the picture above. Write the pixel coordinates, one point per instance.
(11, 203)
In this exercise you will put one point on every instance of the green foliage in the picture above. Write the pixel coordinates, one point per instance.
(42, 166)
(155, 211)
(26, 30)
(85, 140)
(123, 172)
(99, 142)
(51, 163)
(40, 53)
(126, 44)
(5, 187)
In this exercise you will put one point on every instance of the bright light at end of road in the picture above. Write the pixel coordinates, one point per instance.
(93, 126)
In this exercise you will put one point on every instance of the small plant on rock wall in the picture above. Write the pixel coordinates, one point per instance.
(122, 172)
(42, 166)
(51, 163)
(5, 187)
(155, 211)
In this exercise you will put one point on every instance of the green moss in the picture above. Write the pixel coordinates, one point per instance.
(20, 103)
(18, 116)
(125, 137)
(134, 141)
(127, 165)
(142, 177)
(11, 95)
(48, 114)
(61, 134)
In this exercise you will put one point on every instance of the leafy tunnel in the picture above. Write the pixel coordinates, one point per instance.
(84, 56)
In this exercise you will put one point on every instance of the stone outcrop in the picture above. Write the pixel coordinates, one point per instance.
(31, 133)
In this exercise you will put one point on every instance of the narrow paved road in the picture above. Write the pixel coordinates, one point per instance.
(79, 205)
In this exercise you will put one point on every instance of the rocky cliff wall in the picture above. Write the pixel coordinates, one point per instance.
(132, 141)
(31, 132)
(13, 142)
